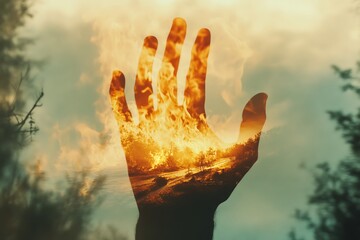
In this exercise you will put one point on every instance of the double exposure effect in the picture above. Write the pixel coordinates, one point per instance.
(172, 154)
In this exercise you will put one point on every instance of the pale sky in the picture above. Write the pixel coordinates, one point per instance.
(283, 48)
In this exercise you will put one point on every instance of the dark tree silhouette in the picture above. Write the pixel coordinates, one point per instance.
(28, 210)
(336, 196)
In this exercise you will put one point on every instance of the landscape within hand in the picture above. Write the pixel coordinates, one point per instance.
(179, 170)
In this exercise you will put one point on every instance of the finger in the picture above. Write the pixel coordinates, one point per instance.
(167, 84)
(194, 96)
(143, 88)
(118, 100)
(254, 116)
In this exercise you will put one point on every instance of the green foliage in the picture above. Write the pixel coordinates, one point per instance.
(336, 197)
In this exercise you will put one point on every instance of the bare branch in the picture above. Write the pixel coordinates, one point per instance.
(36, 104)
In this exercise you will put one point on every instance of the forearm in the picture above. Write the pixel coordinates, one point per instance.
(180, 222)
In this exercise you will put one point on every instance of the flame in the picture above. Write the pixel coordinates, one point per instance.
(170, 131)
(117, 38)
(164, 142)
(157, 134)
(171, 136)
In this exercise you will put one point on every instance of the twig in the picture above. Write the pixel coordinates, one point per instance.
(36, 104)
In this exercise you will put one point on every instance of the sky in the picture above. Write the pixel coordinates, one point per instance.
(282, 48)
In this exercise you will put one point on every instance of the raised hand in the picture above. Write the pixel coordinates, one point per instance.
(179, 170)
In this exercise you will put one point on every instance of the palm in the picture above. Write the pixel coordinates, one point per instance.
(172, 155)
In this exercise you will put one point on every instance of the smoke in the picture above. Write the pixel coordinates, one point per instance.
(281, 48)
(245, 37)
(118, 33)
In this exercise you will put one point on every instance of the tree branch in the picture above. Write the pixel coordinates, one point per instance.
(36, 104)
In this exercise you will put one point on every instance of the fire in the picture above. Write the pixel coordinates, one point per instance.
(172, 136)
(172, 151)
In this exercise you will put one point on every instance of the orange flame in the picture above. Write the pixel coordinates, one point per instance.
(171, 136)
(172, 139)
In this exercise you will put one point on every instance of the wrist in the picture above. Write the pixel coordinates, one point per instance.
(163, 222)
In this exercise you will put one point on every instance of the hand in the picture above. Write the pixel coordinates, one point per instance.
(179, 170)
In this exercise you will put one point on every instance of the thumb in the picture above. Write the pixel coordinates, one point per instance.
(253, 118)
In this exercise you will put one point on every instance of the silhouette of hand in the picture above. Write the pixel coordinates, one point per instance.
(179, 170)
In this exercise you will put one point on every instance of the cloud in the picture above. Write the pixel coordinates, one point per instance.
(281, 48)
